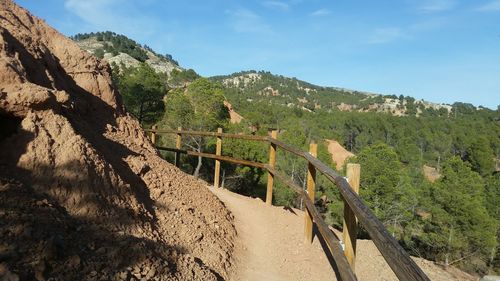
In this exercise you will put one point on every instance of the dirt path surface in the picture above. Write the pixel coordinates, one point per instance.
(271, 242)
(270, 246)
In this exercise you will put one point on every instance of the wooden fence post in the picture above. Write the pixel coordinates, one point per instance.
(350, 229)
(153, 135)
(272, 162)
(178, 145)
(218, 152)
(311, 190)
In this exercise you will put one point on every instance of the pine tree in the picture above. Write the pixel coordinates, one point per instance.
(198, 107)
(460, 225)
(143, 91)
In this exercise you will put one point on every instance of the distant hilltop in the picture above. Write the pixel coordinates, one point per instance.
(121, 51)
(291, 92)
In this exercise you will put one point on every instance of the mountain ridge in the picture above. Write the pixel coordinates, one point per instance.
(292, 92)
(265, 84)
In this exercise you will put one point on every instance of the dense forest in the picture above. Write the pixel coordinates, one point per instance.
(453, 220)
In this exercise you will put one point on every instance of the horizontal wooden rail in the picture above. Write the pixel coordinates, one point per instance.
(216, 157)
(287, 147)
(209, 134)
(331, 240)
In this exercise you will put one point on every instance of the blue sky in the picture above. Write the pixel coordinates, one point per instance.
(437, 50)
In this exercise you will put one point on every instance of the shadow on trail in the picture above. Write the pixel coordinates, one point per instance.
(326, 250)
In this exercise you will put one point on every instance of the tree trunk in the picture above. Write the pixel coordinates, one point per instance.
(497, 156)
(304, 182)
(492, 258)
(223, 178)
(447, 256)
(141, 112)
(198, 167)
(439, 163)
(421, 152)
(197, 145)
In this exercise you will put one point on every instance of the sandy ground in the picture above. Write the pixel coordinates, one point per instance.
(270, 246)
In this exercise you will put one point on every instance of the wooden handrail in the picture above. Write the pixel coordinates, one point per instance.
(397, 258)
(287, 147)
(209, 134)
(216, 157)
(350, 223)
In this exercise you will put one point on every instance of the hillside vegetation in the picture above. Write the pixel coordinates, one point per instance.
(453, 220)
(277, 89)
(123, 52)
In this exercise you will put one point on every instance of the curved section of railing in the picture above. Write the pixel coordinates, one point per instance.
(397, 258)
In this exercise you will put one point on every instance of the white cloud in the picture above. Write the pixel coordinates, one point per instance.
(246, 21)
(412, 31)
(433, 6)
(493, 6)
(114, 15)
(386, 35)
(320, 13)
(277, 5)
(92, 11)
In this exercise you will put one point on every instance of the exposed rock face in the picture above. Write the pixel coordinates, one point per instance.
(339, 153)
(160, 65)
(234, 117)
(83, 193)
(431, 173)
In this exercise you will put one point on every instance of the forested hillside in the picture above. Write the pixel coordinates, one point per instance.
(453, 219)
(121, 51)
(277, 89)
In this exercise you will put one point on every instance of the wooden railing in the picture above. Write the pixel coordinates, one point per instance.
(354, 208)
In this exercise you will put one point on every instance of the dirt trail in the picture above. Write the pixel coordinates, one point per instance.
(271, 242)
(270, 246)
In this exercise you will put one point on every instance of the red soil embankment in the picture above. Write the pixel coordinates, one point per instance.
(338, 152)
(83, 193)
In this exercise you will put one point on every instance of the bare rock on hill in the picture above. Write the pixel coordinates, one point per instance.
(83, 193)
(339, 153)
(431, 174)
(234, 117)
(158, 63)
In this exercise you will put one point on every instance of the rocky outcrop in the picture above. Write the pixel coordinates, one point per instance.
(160, 65)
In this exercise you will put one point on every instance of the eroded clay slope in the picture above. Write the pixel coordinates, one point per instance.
(83, 193)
